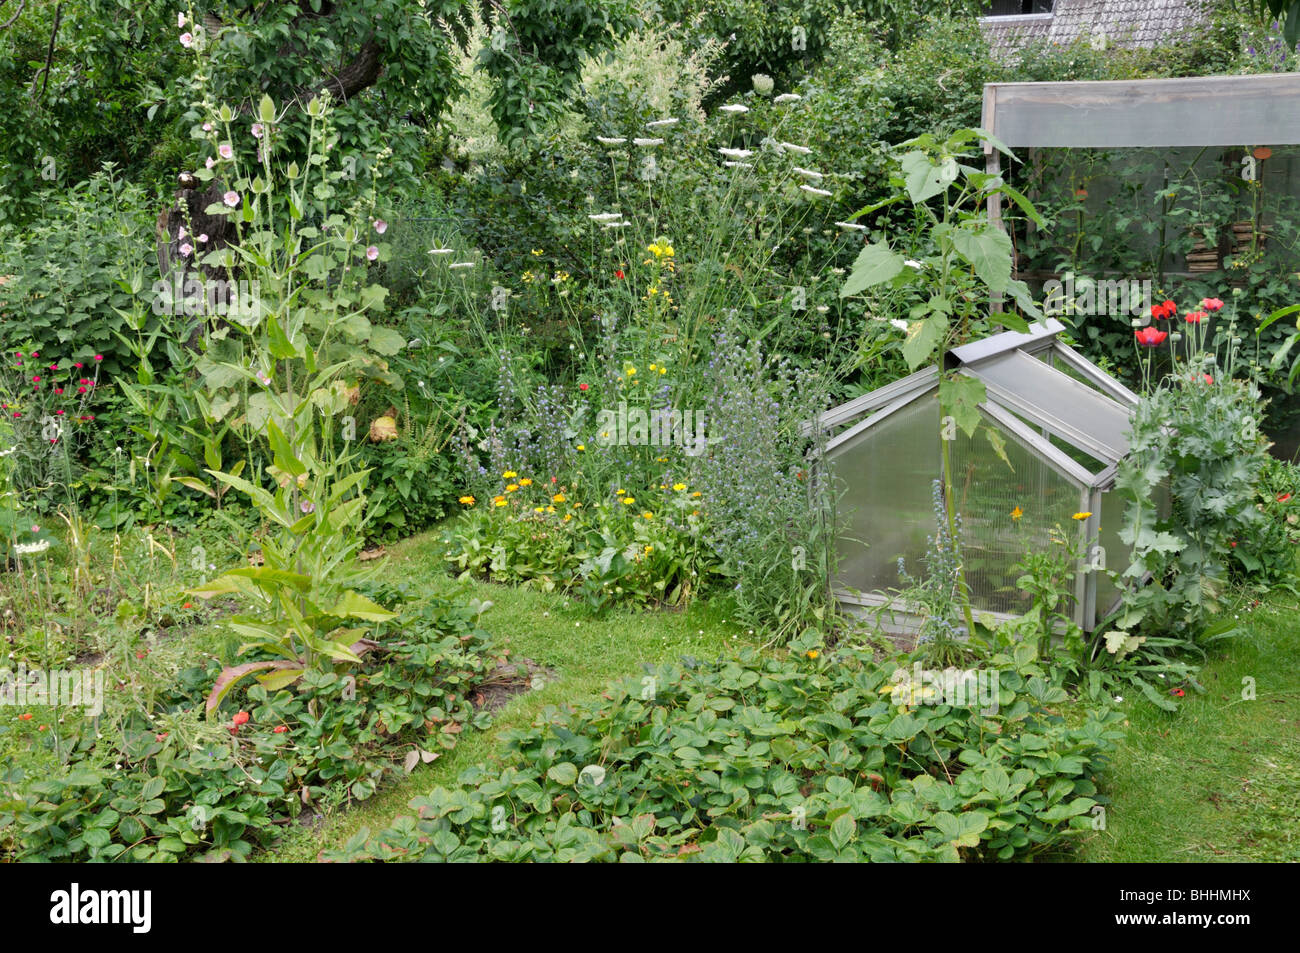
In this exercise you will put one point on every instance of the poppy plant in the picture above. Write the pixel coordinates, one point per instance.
(1211, 304)
(1195, 317)
(1150, 336)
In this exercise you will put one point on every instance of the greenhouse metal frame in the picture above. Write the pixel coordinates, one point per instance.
(1064, 424)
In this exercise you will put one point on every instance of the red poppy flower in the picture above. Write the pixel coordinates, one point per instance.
(583, 387)
(1150, 336)
(619, 273)
(280, 729)
(160, 736)
(1283, 497)
(1208, 379)
(1195, 317)
(241, 717)
(1232, 543)
(1170, 308)
(1211, 304)
(1158, 312)
(25, 717)
(1177, 691)
(188, 605)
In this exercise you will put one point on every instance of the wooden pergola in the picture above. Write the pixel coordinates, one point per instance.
(1160, 113)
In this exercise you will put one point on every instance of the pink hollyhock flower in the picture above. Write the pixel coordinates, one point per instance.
(225, 151)
(202, 239)
(180, 21)
(186, 249)
(381, 226)
(207, 127)
(372, 252)
(210, 162)
(187, 40)
(231, 199)
(256, 130)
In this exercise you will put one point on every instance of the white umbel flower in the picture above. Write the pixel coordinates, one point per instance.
(813, 191)
(913, 263)
(441, 251)
(606, 216)
(608, 141)
(461, 264)
(661, 123)
(734, 108)
(616, 225)
(800, 150)
(647, 142)
(853, 225)
(898, 323)
(738, 165)
(736, 153)
(809, 174)
(788, 98)
(28, 549)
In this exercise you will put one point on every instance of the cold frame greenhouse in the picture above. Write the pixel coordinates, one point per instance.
(1064, 423)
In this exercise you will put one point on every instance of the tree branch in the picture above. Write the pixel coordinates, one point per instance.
(17, 13)
(43, 74)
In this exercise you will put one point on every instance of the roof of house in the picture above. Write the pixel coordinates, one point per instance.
(1124, 23)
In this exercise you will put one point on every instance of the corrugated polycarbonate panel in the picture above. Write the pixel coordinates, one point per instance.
(1067, 407)
(884, 475)
(988, 493)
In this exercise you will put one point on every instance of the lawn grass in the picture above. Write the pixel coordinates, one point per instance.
(584, 654)
(1218, 780)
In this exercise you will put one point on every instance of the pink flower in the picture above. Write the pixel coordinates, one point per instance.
(256, 130)
(372, 252)
(225, 151)
(187, 40)
(186, 249)
(210, 162)
(381, 226)
(231, 198)
(180, 21)
(207, 127)
(181, 233)
(202, 239)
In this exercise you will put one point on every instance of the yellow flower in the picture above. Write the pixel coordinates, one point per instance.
(661, 459)
(648, 515)
(508, 474)
(1017, 513)
(581, 447)
(538, 509)
(501, 502)
(652, 367)
(664, 370)
(467, 500)
(1080, 516)
(558, 498)
(567, 517)
(510, 488)
(631, 372)
(536, 253)
(619, 492)
(649, 549)
(696, 494)
(525, 482)
(550, 509)
(528, 277)
(629, 500)
(813, 653)
(679, 487)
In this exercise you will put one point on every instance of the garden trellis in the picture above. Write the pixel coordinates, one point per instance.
(1063, 423)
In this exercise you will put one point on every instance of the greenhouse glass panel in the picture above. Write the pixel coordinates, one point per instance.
(1073, 409)
(884, 476)
(987, 496)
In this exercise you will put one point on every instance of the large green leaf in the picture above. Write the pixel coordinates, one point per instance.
(988, 251)
(961, 397)
(875, 264)
(355, 605)
(922, 338)
(925, 179)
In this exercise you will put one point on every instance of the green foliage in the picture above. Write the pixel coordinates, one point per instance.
(194, 789)
(806, 757)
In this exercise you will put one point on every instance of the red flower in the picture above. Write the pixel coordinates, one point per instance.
(58, 390)
(241, 717)
(1170, 308)
(619, 273)
(99, 357)
(1150, 336)
(1195, 317)
(1208, 379)
(25, 717)
(280, 729)
(160, 736)
(1283, 497)
(1211, 304)
(188, 605)
(1177, 691)
(1232, 543)
(583, 387)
